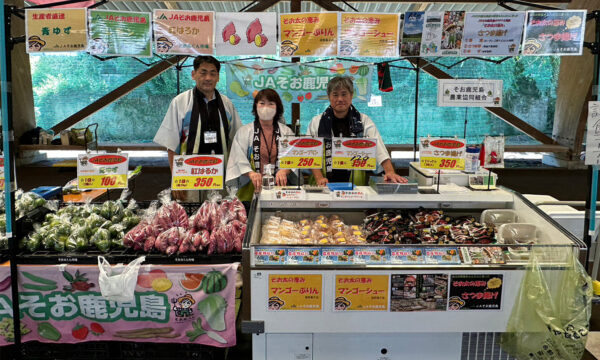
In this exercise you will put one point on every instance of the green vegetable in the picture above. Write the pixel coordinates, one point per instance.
(7, 327)
(213, 308)
(213, 282)
(363, 70)
(39, 287)
(237, 89)
(287, 96)
(199, 331)
(47, 331)
(38, 279)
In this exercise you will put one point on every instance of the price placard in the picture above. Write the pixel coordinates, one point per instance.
(197, 172)
(354, 154)
(442, 153)
(104, 171)
(301, 153)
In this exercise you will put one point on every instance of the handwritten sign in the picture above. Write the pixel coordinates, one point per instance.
(354, 153)
(105, 171)
(442, 153)
(295, 292)
(301, 153)
(197, 172)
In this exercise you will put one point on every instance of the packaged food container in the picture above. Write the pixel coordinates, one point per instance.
(517, 233)
(499, 216)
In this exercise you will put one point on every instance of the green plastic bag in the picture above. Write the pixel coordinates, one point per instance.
(550, 318)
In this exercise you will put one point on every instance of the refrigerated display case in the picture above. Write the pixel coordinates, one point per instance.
(423, 290)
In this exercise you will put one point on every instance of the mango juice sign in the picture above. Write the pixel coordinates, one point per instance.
(442, 153)
(107, 171)
(120, 33)
(295, 292)
(369, 35)
(361, 292)
(354, 154)
(55, 30)
(308, 34)
(183, 32)
(301, 153)
(197, 172)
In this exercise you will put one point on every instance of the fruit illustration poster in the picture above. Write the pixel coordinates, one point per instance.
(246, 33)
(308, 34)
(183, 32)
(369, 35)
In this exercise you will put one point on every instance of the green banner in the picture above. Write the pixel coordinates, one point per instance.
(120, 33)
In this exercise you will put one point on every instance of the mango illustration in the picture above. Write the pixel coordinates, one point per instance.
(237, 89)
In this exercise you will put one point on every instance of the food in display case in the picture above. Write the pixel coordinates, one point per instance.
(319, 231)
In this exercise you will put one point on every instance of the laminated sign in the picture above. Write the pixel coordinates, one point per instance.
(295, 292)
(301, 153)
(56, 30)
(197, 172)
(183, 32)
(469, 93)
(442, 153)
(492, 33)
(364, 34)
(554, 32)
(104, 171)
(354, 153)
(361, 292)
(308, 34)
(121, 33)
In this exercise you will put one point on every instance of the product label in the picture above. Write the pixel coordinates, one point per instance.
(442, 153)
(354, 153)
(442, 256)
(337, 256)
(295, 292)
(371, 256)
(406, 256)
(197, 172)
(269, 256)
(300, 153)
(361, 292)
(475, 292)
(303, 256)
(290, 194)
(106, 171)
(348, 195)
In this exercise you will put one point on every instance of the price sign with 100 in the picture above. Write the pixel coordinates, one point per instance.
(102, 171)
(197, 172)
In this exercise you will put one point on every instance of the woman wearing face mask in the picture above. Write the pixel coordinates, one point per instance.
(256, 144)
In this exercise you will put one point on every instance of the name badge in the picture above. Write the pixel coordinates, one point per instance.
(210, 137)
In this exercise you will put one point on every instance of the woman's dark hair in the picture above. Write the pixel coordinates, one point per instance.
(270, 95)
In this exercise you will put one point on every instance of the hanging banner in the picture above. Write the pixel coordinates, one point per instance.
(557, 32)
(475, 292)
(469, 93)
(361, 292)
(419, 292)
(412, 32)
(592, 144)
(354, 154)
(246, 33)
(300, 153)
(442, 153)
(83, 4)
(431, 42)
(295, 292)
(183, 32)
(106, 171)
(294, 83)
(492, 33)
(120, 33)
(452, 33)
(308, 34)
(367, 34)
(55, 30)
(170, 304)
(197, 172)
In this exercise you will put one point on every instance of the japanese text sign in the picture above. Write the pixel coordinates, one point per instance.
(171, 304)
(107, 171)
(592, 153)
(475, 292)
(492, 33)
(197, 172)
(56, 30)
(120, 33)
(442, 153)
(246, 33)
(295, 292)
(361, 292)
(470, 93)
(301, 153)
(554, 32)
(365, 34)
(183, 32)
(308, 34)
(354, 153)
(295, 83)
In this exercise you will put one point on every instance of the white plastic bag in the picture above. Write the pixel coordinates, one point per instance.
(120, 286)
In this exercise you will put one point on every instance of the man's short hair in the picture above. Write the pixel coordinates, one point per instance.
(199, 60)
(340, 83)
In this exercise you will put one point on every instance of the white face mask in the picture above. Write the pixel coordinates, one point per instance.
(266, 113)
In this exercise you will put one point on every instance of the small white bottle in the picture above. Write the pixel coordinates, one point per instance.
(268, 180)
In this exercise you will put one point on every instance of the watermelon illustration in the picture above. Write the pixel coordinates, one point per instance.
(191, 282)
(213, 282)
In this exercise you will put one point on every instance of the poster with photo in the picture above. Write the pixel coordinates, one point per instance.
(431, 42)
(452, 33)
(557, 32)
(412, 33)
(418, 292)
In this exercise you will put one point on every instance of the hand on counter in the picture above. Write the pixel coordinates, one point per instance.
(395, 178)
(256, 179)
(322, 181)
(281, 177)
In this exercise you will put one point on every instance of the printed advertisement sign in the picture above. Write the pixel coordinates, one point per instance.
(308, 34)
(197, 172)
(557, 32)
(120, 33)
(295, 292)
(412, 32)
(361, 292)
(183, 32)
(419, 292)
(293, 82)
(492, 33)
(55, 30)
(475, 292)
(104, 171)
(442, 153)
(239, 33)
(301, 153)
(354, 154)
(171, 304)
(367, 34)
(452, 32)
(431, 42)
(470, 93)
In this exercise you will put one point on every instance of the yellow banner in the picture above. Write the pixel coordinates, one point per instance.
(103, 182)
(361, 292)
(369, 34)
(295, 292)
(350, 164)
(308, 34)
(197, 183)
(56, 30)
(309, 162)
(442, 163)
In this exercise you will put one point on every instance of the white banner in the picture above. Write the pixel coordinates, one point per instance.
(246, 33)
(470, 93)
(492, 33)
